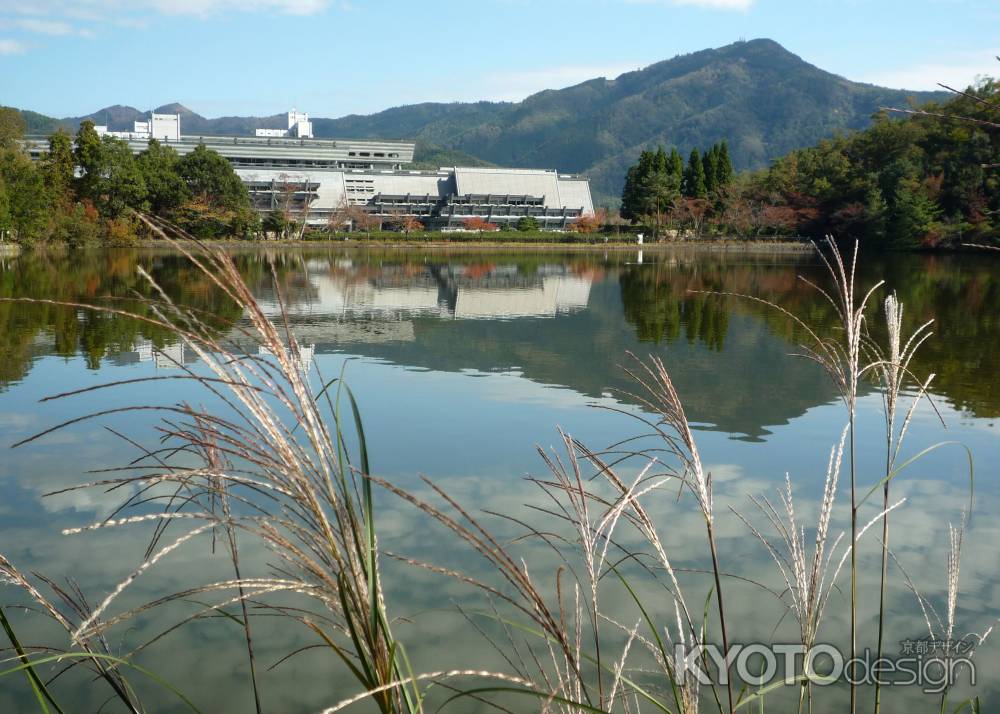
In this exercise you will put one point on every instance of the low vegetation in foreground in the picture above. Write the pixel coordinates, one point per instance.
(286, 466)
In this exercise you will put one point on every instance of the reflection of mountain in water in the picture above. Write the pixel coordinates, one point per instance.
(569, 331)
(557, 319)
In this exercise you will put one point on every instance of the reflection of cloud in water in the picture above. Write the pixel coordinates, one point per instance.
(437, 637)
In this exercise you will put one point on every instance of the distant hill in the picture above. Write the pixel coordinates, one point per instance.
(761, 98)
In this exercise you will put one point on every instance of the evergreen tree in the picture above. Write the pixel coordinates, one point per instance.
(694, 176)
(59, 167)
(158, 165)
(910, 216)
(675, 165)
(88, 152)
(724, 166)
(212, 179)
(710, 164)
(120, 185)
(630, 194)
(660, 163)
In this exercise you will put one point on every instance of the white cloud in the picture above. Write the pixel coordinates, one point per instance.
(958, 71)
(85, 17)
(11, 47)
(109, 10)
(209, 7)
(40, 26)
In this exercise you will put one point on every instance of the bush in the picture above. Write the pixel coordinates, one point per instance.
(527, 223)
(76, 228)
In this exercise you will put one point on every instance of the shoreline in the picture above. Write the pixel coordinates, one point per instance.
(717, 245)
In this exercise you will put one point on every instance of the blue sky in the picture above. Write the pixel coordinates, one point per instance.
(336, 57)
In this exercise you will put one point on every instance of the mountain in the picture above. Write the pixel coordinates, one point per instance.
(761, 98)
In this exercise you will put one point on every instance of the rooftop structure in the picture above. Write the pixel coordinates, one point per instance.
(299, 126)
(319, 180)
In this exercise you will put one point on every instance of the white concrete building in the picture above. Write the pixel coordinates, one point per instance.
(320, 180)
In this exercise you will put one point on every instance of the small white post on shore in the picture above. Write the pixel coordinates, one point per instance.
(638, 238)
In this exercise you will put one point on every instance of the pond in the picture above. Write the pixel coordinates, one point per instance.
(462, 362)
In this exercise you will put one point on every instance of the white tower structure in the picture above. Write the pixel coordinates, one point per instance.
(299, 125)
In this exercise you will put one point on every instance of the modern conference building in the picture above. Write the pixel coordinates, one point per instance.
(318, 180)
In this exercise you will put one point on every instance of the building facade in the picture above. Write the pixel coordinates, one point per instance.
(320, 181)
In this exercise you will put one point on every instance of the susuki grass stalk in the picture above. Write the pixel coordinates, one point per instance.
(292, 485)
(893, 369)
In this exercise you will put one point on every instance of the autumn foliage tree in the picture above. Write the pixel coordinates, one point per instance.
(588, 223)
(479, 224)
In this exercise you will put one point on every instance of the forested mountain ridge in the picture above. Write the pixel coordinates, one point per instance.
(759, 97)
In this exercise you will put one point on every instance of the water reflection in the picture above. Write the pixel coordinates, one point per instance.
(467, 360)
(557, 319)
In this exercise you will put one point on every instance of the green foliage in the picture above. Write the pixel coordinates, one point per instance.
(47, 201)
(25, 197)
(694, 177)
(527, 223)
(12, 127)
(907, 183)
(659, 187)
(922, 181)
(76, 228)
(276, 223)
(159, 166)
(211, 179)
(120, 185)
(59, 166)
(89, 155)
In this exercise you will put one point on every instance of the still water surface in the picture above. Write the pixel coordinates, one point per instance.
(462, 362)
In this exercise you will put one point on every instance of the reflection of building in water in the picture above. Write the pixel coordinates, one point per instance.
(306, 354)
(144, 351)
(170, 356)
(391, 293)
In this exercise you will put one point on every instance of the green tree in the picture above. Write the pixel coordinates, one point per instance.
(527, 223)
(675, 165)
(276, 223)
(5, 223)
(724, 166)
(60, 167)
(12, 127)
(710, 165)
(159, 166)
(27, 202)
(910, 216)
(88, 151)
(694, 177)
(119, 185)
(211, 179)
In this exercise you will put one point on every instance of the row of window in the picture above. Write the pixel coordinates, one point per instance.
(375, 154)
